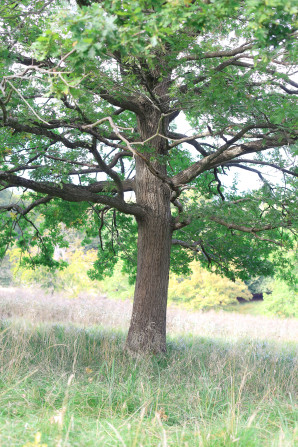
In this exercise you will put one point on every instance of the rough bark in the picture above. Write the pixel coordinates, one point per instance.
(147, 332)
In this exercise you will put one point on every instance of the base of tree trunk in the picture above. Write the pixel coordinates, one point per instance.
(145, 341)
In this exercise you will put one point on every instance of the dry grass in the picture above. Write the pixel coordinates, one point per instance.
(36, 306)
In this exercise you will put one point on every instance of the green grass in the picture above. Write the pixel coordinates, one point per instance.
(248, 308)
(77, 387)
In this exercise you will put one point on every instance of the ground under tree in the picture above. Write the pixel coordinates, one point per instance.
(90, 97)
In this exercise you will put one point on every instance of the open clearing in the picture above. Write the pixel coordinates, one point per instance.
(36, 306)
(227, 379)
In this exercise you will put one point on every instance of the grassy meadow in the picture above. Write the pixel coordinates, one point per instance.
(228, 379)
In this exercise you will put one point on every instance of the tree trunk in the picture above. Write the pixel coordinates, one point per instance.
(147, 332)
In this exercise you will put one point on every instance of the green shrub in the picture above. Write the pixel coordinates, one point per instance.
(204, 289)
(73, 279)
(283, 299)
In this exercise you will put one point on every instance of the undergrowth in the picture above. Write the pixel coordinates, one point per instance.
(65, 385)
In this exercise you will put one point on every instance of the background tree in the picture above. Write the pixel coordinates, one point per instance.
(205, 290)
(89, 99)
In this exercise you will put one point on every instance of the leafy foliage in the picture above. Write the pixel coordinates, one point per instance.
(282, 299)
(203, 289)
(72, 279)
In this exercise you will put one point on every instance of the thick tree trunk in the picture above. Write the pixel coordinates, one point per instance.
(147, 332)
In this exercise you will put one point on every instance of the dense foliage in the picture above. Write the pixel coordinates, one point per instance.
(47, 101)
(203, 289)
(281, 300)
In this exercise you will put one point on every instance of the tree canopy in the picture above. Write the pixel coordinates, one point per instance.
(90, 97)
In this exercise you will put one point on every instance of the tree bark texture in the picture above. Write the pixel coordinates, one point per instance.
(147, 332)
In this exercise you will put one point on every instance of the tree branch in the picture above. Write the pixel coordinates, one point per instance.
(193, 142)
(105, 168)
(24, 211)
(264, 163)
(197, 247)
(225, 53)
(74, 193)
(243, 228)
(225, 154)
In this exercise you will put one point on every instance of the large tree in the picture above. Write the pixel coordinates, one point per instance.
(91, 96)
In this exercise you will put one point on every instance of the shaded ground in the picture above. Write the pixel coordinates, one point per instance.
(35, 305)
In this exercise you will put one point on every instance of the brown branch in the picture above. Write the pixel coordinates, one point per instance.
(24, 211)
(128, 185)
(71, 162)
(186, 139)
(43, 131)
(225, 53)
(128, 144)
(192, 246)
(105, 168)
(184, 88)
(272, 241)
(227, 154)
(264, 163)
(287, 90)
(193, 142)
(119, 156)
(197, 247)
(218, 184)
(4, 111)
(243, 228)
(73, 193)
(246, 168)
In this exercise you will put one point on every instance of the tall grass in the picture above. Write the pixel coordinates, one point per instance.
(36, 306)
(77, 387)
(227, 379)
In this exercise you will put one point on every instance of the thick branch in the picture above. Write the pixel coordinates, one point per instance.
(129, 103)
(223, 156)
(73, 193)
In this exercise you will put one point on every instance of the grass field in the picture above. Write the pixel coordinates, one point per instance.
(71, 384)
(248, 308)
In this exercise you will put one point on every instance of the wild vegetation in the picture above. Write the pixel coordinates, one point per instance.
(201, 289)
(65, 379)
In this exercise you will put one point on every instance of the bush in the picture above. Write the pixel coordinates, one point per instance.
(204, 289)
(201, 290)
(118, 286)
(73, 279)
(283, 299)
